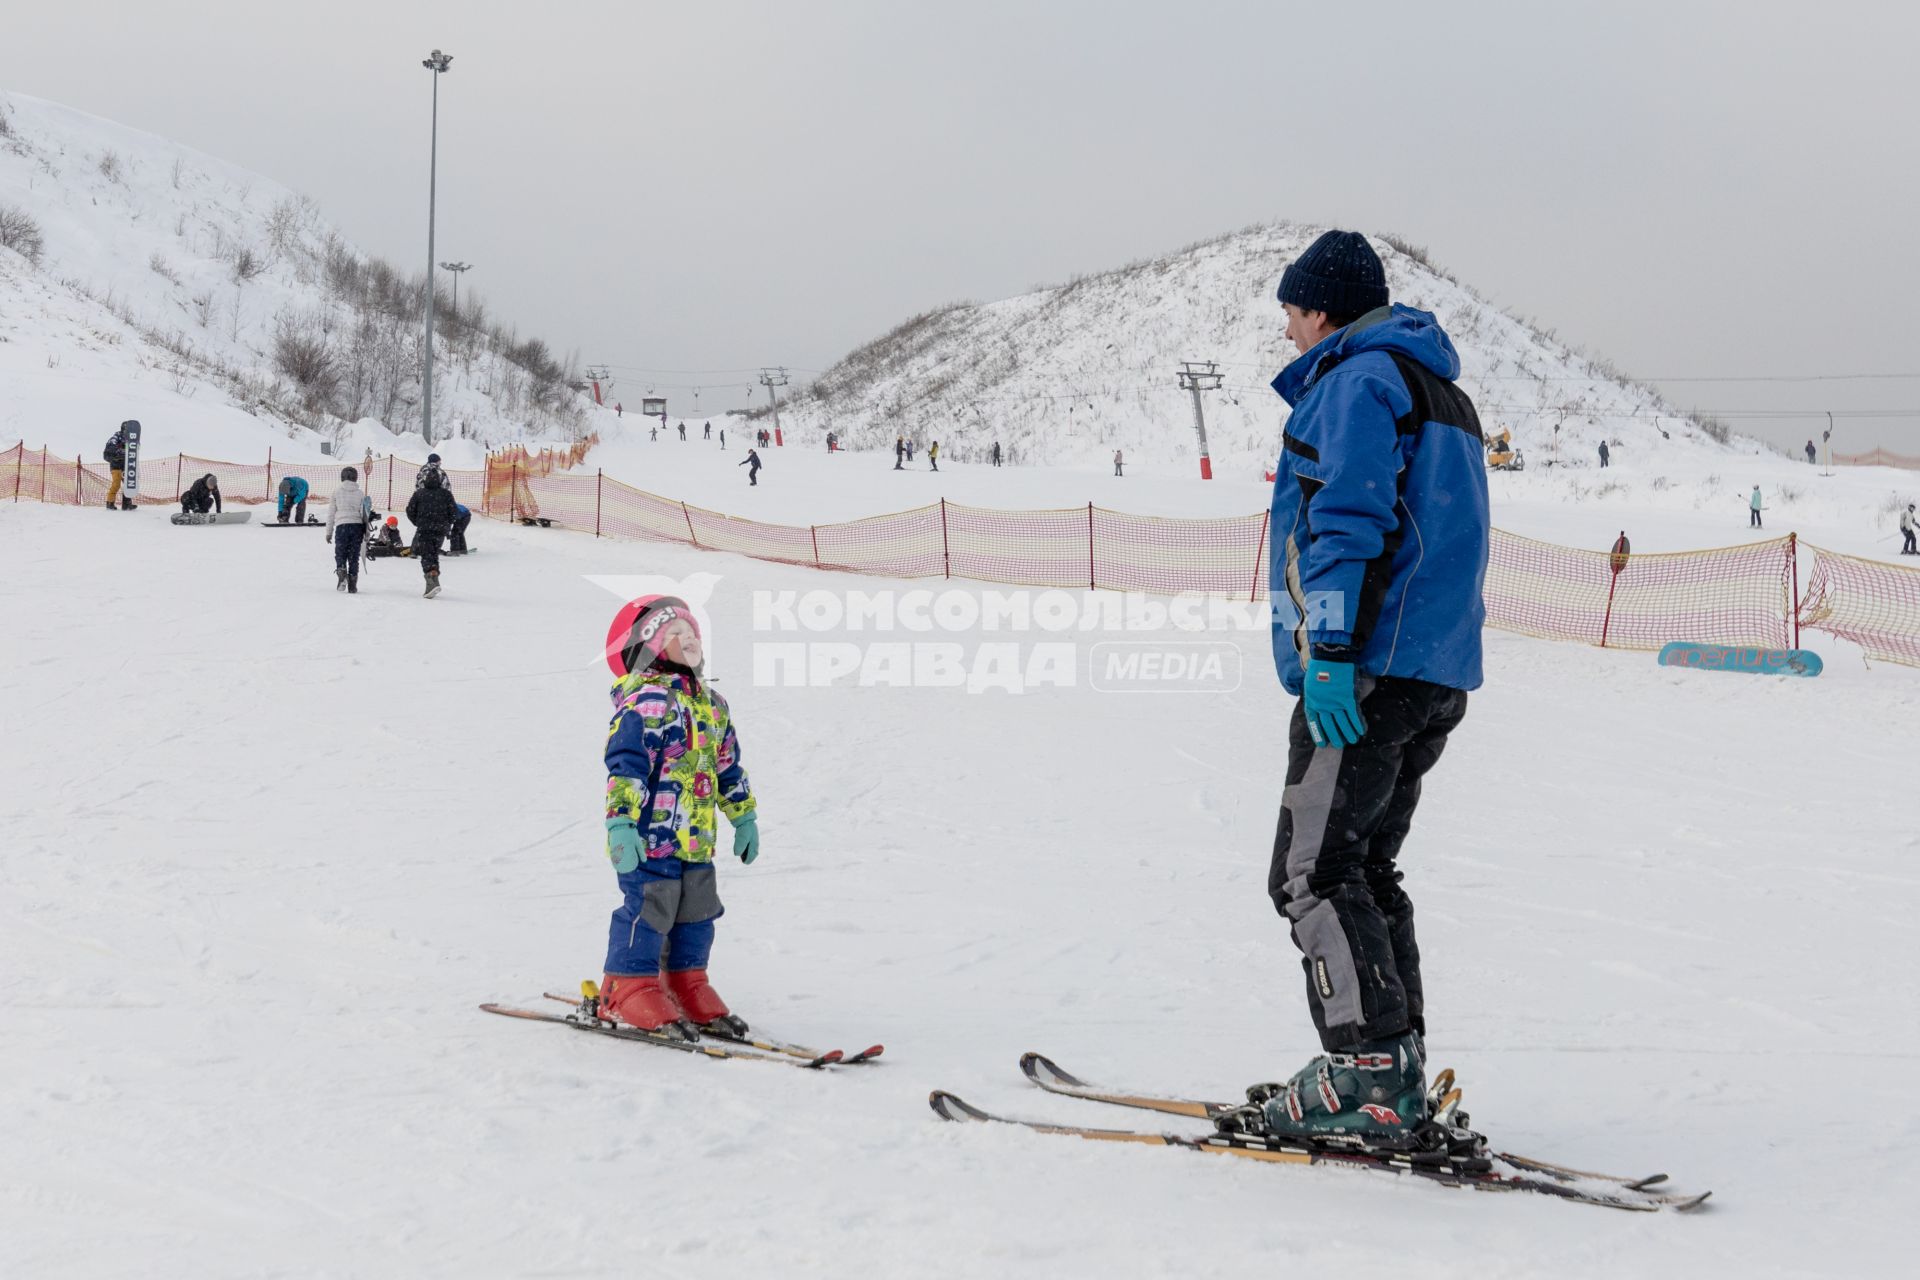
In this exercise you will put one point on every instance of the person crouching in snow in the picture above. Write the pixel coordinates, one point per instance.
(673, 766)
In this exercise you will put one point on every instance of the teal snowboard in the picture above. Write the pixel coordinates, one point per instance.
(1747, 658)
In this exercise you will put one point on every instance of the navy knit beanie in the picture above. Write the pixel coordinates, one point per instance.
(1339, 274)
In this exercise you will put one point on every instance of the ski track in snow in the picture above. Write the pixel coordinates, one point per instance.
(269, 846)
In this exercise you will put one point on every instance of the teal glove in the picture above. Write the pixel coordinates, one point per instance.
(746, 838)
(1333, 713)
(623, 844)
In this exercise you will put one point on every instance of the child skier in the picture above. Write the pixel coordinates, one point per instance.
(673, 765)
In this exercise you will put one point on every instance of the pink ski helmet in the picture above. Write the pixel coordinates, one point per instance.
(633, 641)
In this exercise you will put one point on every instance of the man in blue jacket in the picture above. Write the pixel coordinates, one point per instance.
(1379, 535)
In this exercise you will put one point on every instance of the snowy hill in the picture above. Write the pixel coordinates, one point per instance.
(149, 280)
(1070, 373)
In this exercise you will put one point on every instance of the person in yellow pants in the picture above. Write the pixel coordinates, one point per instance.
(116, 455)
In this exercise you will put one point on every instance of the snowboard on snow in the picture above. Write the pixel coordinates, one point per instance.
(1747, 658)
(311, 523)
(212, 517)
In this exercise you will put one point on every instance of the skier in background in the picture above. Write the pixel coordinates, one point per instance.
(653, 433)
(1753, 507)
(909, 448)
(933, 455)
(1811, 453)
(115, 453)
(348, 511)
(431, 512)
(457, 536)
(1908, 527)
(619, 410)
(996, 453)
(1604, 455)
(202, 496)
(708, 433)
(899, 453)
(683, 431)
(1116, 462)
(1382, 672)
(723, 438)
(293, 498)
(673, 766)
(752, 464)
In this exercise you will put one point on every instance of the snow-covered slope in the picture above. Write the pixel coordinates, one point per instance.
(172, 287)
(1070, 373)
(264, 860)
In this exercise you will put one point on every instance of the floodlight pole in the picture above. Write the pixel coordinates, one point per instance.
(436, 62)
(456, 268)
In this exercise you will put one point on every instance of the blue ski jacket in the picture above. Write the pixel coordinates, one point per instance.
(1379, 524)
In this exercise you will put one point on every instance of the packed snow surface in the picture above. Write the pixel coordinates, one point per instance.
(269, 846)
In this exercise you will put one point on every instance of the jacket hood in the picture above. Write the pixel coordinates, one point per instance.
(1408, 330)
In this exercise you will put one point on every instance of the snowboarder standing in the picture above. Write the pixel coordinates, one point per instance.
(1811, 453)
(1604, 455)
(1116, 462)
(707, 434)
(432, 512)
(673, 766)
(1753, 508)
(348, 511)
(293, 498)
(933, 455)
(752, 464)
(1382, 670)
(202, 496)
(683, 432)
(899, 453)
(996, 453)
(115, 453)
(1908, 527)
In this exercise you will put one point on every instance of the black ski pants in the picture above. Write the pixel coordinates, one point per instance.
(346, 548)
(426, 549)
(1335, 876)
(457, 545)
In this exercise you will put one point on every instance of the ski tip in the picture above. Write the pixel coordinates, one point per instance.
(827, 1059)
(1037, 1065)
(1651, 1180)
(950, 1106)
(1687, 1206)
(868, 1054)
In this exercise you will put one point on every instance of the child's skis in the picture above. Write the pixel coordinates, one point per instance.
(753, 1039)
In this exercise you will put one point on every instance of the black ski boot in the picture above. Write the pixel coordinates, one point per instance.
(339, 579)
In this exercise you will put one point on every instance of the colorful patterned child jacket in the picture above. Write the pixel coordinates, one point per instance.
(672, 762)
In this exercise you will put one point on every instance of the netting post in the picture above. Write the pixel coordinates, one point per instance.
(43, 473)
(599, 474)
(684, 515)
(269, 471)
(1793, 576)
(389, 484)
(813, 531)
(179, 465)
(946, 556)
(76, 480)
(1260, 544)
(19, 464)
(1090, 572)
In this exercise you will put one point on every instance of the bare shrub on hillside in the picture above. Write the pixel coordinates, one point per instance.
(247, 264)
(20, 233)
(158, 264)
(1717, 430)
(302, 354)
(111, 167)
(179, 171)
(203, 308)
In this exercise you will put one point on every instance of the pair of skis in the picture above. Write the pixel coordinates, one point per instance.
(1485, 1171)
(717, 1043)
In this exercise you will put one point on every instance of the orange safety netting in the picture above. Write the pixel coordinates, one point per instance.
(1735, 595)
(1874, 604)
(1878, 458)
(1742, 595)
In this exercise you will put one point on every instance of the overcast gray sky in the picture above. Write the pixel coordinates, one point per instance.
(1694, 189)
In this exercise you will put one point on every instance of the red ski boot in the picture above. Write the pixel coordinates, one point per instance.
(702, 1005)
(639, 1001)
